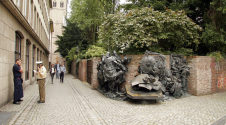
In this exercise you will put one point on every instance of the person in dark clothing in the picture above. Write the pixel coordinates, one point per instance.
(57, 67)
(18, 88)
(62, 72)
(52, 72)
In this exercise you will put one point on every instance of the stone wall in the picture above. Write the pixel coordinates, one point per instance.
(8, 27)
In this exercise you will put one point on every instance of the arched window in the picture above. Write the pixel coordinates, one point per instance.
(61, 4)
(19, 37)
(28, 43)
(54, 3)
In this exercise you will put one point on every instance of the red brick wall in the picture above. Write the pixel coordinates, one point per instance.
(132, 69)
(93, 80)
(206, 75)
(73, 68)
(219, 79)
(82, 75)
(135, 62)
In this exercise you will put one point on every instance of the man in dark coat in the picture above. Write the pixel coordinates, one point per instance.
(18, 88)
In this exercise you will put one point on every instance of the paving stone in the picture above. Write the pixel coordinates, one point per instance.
(74, 102)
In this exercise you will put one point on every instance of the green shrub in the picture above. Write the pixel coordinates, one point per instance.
(213, 40)
(217, 55)
(142, 29)
(94, 51)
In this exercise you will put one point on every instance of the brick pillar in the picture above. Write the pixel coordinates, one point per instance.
(200, 79)
(83, 70)
(73, 68)
(94, 80)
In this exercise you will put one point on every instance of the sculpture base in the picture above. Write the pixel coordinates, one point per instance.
(143, 95)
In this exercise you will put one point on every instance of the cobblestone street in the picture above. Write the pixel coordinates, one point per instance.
(75, 103)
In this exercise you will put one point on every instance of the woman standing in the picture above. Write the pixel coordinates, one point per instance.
(62, 71)
(52, 72)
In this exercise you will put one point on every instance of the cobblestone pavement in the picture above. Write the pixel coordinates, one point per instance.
(75, 103)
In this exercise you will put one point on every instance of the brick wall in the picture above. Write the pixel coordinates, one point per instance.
(132, 69)
(93, 73)
(206, 75)
(133, 66)
(82, 70)
(73, 68)
(218, 70)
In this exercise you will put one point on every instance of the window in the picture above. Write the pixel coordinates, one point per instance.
(37, 18)
(30, 11)
(40, 55)
(34, 18)
(37, 54)
(18, 46)
(25, 8)
(33, 61)
(61, 4)
(27, 60)
(54, 3)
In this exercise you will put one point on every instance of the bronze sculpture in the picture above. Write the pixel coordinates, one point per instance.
(154, 76)
(111, 75)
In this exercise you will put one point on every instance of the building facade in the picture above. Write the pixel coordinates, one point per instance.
(58, 14)
(25, 31)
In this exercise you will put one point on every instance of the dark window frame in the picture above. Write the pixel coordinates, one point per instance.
(33, 60)
(54, 3)
(40, 55)
(37, 54)
(18, 46)
(27, 67)
(61, 4)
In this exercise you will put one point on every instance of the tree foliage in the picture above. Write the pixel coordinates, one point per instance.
(209, 14)
(143, 29)
(94, 51)
(72, 37)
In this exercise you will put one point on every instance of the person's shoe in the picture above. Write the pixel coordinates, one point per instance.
(41, 101)
(20, 100)
(17, 103)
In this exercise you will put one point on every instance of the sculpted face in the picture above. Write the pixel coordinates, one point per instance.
(147, 64)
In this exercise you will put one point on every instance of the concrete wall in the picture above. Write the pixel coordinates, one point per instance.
(8, 26)
(206, 75)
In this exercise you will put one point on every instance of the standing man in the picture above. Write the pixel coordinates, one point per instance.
(57, 67)
(41, 77)
(62, 71)
(18, 88)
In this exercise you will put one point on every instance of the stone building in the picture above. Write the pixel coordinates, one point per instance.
(25, 32)
(58, 14)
